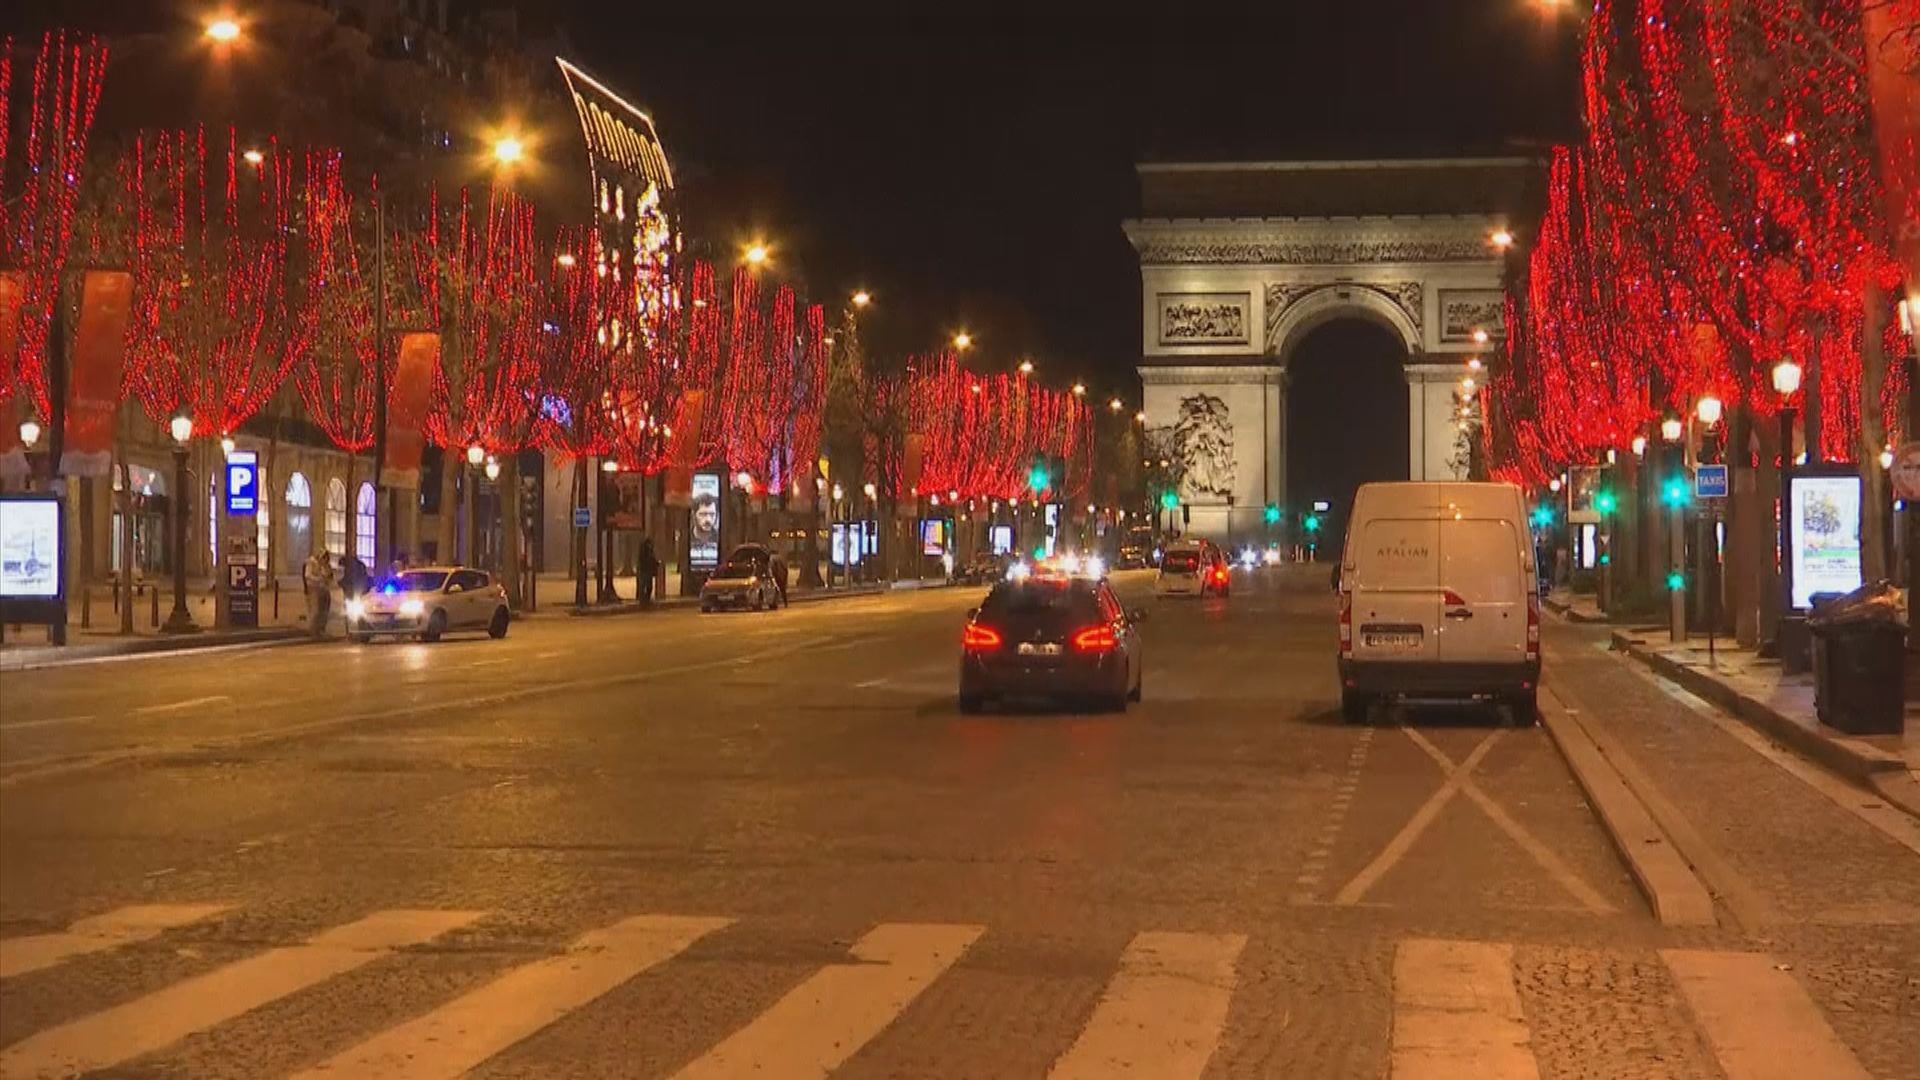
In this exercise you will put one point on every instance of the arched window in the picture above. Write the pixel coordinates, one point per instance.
(336, 517)
(299, 521)
(365, 513)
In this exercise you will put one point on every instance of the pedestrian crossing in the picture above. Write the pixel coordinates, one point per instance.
(1167, 1005)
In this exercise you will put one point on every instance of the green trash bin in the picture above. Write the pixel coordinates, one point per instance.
(1859, 665)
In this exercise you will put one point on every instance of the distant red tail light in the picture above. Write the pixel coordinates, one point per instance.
(1220, 575)
(977, 638)
(1095, 639)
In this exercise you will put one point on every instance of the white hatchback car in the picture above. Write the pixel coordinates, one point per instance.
(428, 603)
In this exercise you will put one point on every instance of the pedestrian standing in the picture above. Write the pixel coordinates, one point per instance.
(649, 567)
(353, 577)
(317, 576)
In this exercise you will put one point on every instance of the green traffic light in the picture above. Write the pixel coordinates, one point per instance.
(1676, 581)
(1604, 502)
(1273, 514)
(1674, 493)
(1313, 522)
(1542, 516)
(1169, 500)
(1039, 477)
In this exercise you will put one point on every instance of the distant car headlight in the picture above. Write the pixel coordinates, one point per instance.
(412, 608)
(1096, 566)
(356, 609)
(1018, 571)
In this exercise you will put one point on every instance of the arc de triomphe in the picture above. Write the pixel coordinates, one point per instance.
(1240, 261)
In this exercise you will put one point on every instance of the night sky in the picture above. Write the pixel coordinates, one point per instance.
(975, 172)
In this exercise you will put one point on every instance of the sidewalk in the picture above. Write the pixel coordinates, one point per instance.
(1781, 707)
(27, 648)
(1575, 607)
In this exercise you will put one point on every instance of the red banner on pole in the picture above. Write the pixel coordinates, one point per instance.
(413, 370)
(1892, 31)
(93, 383)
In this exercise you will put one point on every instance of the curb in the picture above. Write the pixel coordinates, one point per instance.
(1675, 893)
(1570, 613)
(1865, 765)
(72, 655)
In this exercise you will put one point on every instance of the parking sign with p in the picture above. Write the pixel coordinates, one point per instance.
(243, 482)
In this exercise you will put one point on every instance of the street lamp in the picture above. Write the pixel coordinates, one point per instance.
(963, 341)
(493, 469)
(1079, 389)
(756, 255)
(1479, 335)
(509, 150)
(1639, 446)
(1026, 367)
(254, 158)
(1115, 405)
(609, 465)
(862, 298)
(869, 490)
(1140, 417)
(180, 620)
(223, 29)
(1671, 429)
(1708, 410)
(29, 433)
(1501, 239)
(476, 454)
(566, 259)
(226, 446)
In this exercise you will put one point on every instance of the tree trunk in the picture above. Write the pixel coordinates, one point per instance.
(510, 538)
(125, 567)
(1766, 504)
(579, 534)
(1746, 533)
(447, 522)
(1876, 503)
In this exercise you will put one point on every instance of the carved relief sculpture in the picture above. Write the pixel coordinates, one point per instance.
(1204, 318)
(1203, 447)
(1462, 311)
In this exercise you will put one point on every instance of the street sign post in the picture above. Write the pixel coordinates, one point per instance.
(243, 585)
(1710, 482)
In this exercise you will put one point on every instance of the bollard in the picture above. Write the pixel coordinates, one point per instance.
(154, 594)
(276, 600)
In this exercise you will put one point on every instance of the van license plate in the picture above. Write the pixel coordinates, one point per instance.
(1032, 648)
(1393, 637)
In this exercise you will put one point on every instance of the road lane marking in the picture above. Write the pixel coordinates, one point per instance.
(823, 1021)
(99, 933)
(18, 725)
(1555, 867)
(176, 706)
(491, 662)
(1162, 1014)
(1456, 1013)
(465, 1032)
(166, 1016)
(1759, 1021)
(1403, 841)
(1311, 873)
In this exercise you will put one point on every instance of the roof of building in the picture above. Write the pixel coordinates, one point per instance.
(1502, 187)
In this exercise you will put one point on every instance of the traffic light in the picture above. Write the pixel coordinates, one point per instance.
(1542, 517)
(1169, 500)
(1312, 523)
(1676, 581)
(1674, 491)
(1273, 514)
(1040, 477)
(1604, 502)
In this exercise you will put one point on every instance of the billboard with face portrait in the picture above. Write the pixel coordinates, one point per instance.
(703, 533)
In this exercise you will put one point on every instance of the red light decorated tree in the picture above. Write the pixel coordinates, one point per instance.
(336, 376)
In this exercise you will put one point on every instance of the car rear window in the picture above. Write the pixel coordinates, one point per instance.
(1029, 598)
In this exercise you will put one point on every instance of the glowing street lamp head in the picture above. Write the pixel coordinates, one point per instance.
(181, 428)
(869, 490)
(476, 454)
(29, 432)
(493, 469)
(1639, 446)
(756, 255)
(254, 158)
(223, 29)
(567, 260)
(963, 341)
(1026, 367)
(1079, 389)
(1479, 335)
(1501, 239)
(509, 150)
(862, 298)
(1708, 410)
(1786, 378)
(1140, 417)
(1670, 429)
(1115, 405)
(227, 445)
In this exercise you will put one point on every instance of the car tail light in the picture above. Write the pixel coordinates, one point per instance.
(1095, 639)
(1533, 626)
(1220, 575)
(977, 638)
(1346, 623)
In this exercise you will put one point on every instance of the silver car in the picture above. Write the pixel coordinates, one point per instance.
(748, 579)
(430, 602)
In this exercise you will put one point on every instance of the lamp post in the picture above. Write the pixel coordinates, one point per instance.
(29, 438)
(1674, 491)
(180, 620)
(1786, 383)
(476, 457)
(1708, 411)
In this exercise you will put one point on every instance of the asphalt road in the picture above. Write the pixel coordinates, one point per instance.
(770, 845)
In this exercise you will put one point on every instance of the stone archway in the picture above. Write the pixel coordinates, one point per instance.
(1241, 262)
(1346, 422)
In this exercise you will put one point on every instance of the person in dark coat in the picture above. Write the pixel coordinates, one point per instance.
(649, 569)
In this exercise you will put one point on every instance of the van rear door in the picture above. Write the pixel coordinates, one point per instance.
(1483, 616)
(1396, 589)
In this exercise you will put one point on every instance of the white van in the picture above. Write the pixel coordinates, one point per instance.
(1438, 597)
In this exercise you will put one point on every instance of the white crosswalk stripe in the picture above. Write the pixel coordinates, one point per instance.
(1166, 1012)
(821, 1022)
(1760, 1023)
(1162, 1014)
(166, 1016)
(467, 1031)
(1456, 1013)
(99, 933)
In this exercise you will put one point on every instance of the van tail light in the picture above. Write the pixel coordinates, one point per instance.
(1346, 623)
(976, 638)
(1533, 626)
(1095, 639)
